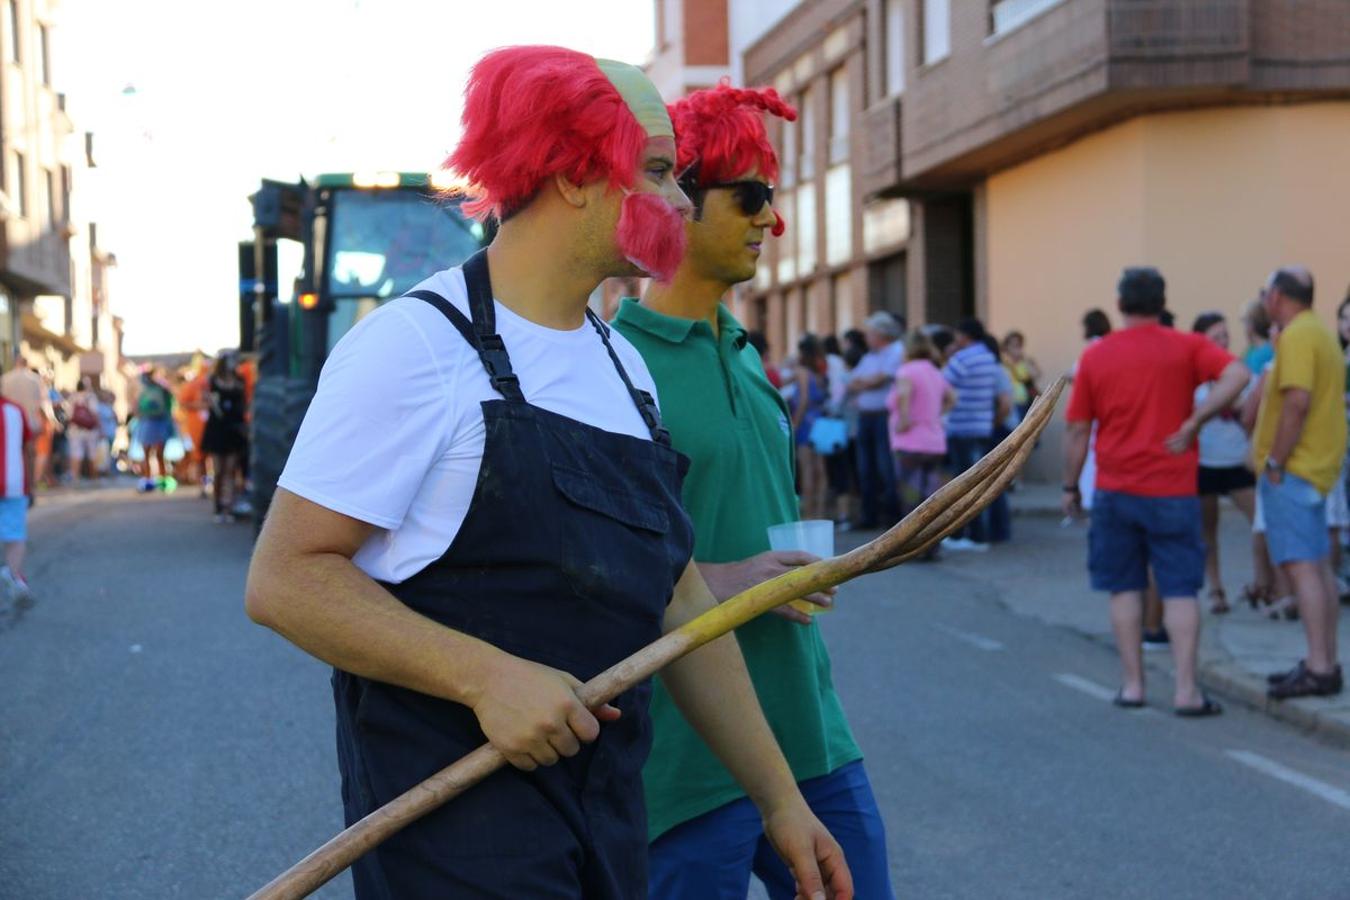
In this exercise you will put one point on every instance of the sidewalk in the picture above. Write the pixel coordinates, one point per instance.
(1237, 650)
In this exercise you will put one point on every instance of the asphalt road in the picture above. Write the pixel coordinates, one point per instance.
(155, 743)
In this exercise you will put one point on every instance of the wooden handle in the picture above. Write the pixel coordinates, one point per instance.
(948, 509)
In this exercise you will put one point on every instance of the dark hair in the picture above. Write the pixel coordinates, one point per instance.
(830, 344)
(1014, 336)
(1205, 321)
(1339, 310)
(1294, 284)
(1141, 291)
(942, 340)
(1166, 319)
(973, 329)
(991, 344)
(1096, 324)
(856, 349)
(756, 339)
(808, 350)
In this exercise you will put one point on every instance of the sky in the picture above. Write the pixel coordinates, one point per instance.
(191, 104)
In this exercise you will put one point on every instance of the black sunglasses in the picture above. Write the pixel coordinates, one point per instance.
(751, 195)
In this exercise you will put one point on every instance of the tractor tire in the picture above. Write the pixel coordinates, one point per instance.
(279, 406)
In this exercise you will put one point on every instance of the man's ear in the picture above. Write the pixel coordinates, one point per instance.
(572, 193)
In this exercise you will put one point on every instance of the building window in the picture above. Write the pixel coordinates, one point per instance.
(895, 47)
(1005, 15)
(21, 183)
(937, 30)
(49, 188)
(15, 45)
(806, 125)
(65, 193)
(44, 49)
(787, 170)
(839, 115)
(806, 230)
(838, 215)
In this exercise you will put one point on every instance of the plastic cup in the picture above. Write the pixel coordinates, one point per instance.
(815, 536)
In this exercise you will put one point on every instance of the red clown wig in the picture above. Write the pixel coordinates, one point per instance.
(531, 113)
(720, 136)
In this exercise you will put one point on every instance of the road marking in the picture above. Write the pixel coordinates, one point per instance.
(1091, 688)
(1327, 792)
(975, 640)
(1100, 691)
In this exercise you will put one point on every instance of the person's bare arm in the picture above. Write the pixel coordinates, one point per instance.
(1076, 439)
(1002, 408)
(1251, 407)
(303, 584)
(948, 399)
(1221, 397)
(903, 391)
(802, 398)
(712, 688)
(1293, 415)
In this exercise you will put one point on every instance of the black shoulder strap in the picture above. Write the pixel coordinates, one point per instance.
(645, 402)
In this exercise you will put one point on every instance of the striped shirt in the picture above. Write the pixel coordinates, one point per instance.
(14, 433)
(973, 372)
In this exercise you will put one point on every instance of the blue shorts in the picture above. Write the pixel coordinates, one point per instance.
(711, 857)
(13, 519)
(1296, 520)
(1131, 534)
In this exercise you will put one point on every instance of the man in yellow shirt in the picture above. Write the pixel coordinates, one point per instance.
(1299, 443)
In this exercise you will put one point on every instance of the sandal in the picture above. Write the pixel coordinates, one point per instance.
(1257, 595)
(1285, 608)
(1218, 601)
(1119, 700)
(1207, 707)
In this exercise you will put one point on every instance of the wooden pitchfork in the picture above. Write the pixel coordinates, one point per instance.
(955, 504)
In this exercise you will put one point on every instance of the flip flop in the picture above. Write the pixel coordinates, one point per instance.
(1207, 707)
(1119, 700)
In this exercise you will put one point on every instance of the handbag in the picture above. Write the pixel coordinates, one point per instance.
(828, 435)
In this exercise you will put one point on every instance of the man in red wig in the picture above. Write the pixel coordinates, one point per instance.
(482, 510)
(723, 412)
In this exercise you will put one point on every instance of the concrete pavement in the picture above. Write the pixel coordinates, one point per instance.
(1237, 650)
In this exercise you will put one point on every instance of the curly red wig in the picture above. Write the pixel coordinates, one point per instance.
(720, 136)
(534, 112)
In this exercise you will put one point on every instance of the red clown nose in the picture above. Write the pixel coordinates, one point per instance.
(651, 235)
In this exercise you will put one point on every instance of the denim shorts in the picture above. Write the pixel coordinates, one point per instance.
(1296, 519)
(13, 519)
(1131, 533)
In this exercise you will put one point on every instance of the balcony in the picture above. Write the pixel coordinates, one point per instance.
(1053, 71)
(880, 170)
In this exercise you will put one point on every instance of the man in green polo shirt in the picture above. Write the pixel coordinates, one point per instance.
(724, 414)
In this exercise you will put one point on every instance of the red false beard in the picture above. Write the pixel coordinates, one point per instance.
(651, 235)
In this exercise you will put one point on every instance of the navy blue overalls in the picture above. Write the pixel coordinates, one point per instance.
(569, 554)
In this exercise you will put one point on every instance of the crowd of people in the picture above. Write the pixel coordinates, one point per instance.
(882, 417)
(1167, 423)
(185, 427)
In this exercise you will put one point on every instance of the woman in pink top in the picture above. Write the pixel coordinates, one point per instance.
(919, 400)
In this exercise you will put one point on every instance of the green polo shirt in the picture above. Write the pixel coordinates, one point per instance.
(729, 420)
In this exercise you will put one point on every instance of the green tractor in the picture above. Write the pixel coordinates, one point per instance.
(363, 239)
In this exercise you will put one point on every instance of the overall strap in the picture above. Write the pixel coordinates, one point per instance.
(491, 348)
(645, 403)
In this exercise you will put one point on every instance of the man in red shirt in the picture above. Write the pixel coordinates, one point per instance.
(1138, 385)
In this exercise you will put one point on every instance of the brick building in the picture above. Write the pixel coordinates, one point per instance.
(1006, 158)
(54, 276)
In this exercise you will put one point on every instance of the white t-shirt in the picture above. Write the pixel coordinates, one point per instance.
(1222, 440)
(395, 434)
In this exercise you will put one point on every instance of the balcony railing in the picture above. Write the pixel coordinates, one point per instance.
(1153, 28)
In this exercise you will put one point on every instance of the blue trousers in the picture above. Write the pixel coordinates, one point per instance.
(711, 857)
(876, 472)
(963, 453)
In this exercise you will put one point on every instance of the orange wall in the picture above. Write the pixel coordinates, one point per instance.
(1215, 198)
